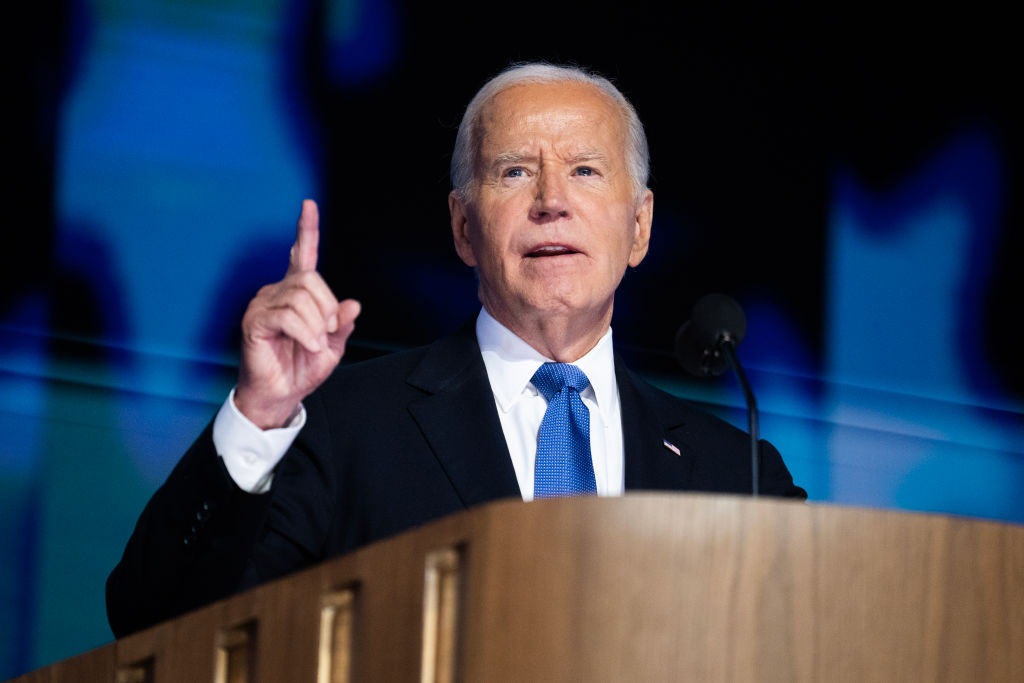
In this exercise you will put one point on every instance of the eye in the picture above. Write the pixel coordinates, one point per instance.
(585, 171)
(514, 172)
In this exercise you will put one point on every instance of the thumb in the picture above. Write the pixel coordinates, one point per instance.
(348, 311)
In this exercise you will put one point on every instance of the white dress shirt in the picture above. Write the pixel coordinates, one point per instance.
(510, 364)
(250, 454)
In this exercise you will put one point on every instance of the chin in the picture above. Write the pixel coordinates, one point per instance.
(562, 305)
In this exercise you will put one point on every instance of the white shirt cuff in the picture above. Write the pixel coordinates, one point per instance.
(250, 453)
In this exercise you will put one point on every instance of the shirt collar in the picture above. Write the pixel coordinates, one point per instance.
(511, 362)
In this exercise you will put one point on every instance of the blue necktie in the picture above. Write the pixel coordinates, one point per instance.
(564, 466)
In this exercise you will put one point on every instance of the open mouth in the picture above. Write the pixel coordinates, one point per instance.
(551, 250)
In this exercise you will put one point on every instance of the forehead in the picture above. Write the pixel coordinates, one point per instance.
(562, 113)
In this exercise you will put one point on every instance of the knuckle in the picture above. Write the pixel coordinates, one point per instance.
(309, 278)
(267, 294)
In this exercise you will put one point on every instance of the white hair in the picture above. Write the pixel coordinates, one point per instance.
(468, 138)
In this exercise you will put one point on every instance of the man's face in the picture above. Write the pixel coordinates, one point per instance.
(553, 218)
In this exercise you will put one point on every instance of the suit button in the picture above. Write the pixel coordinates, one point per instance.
(204, 512)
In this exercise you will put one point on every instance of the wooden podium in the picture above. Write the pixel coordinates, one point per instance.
(649, 587)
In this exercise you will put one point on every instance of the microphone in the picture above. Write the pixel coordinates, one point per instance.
(716, 321)
(706, 346)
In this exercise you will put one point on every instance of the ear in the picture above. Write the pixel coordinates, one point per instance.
(459, 211)
(642, 228)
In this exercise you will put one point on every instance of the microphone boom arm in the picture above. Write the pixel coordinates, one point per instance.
(729, 348)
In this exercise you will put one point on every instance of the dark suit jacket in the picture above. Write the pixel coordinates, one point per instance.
(388, 444)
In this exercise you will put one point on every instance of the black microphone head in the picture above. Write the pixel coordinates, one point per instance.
(716, 319)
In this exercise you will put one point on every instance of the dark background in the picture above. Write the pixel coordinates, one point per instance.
(157, 153)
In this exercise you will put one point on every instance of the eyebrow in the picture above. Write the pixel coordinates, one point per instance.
(507, 158)
(586, 156)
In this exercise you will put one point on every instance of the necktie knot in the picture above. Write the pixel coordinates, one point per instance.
(551, 378)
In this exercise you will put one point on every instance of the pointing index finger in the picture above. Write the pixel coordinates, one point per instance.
(307, 239)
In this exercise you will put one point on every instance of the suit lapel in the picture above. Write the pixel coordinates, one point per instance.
(460, 423)
(648, 421)
(459, 420)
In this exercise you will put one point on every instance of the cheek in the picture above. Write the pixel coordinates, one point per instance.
(621, 235)
(489, 250)
(495, 234)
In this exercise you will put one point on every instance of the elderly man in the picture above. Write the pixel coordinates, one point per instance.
(306, 461)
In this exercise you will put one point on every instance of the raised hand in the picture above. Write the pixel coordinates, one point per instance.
(293, 334)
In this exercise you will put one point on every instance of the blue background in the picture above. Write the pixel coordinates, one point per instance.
(851, 176)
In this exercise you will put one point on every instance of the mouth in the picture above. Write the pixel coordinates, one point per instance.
(547, 250)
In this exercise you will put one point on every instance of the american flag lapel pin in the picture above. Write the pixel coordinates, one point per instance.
(671, 446)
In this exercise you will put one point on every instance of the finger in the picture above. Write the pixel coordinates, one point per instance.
(290, 324)
(302, 302)
(307, 239)
(321, 294)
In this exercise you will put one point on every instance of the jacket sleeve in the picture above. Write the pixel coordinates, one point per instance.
(775, 479)
(190, 545)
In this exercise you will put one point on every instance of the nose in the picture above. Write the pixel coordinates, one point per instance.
(551, 200)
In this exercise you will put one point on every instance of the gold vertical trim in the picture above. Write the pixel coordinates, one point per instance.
(337, 621)
(236, 654)
(139, 672)
(440, 612)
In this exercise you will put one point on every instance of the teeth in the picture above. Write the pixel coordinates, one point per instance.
(548, 250)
